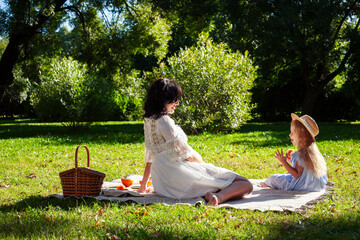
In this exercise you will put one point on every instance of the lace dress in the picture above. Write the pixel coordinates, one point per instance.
(306, 182)
(166, 148)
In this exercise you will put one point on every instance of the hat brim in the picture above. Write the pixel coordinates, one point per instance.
(296, 117)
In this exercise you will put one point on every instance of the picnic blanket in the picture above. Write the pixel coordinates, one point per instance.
(262, 199)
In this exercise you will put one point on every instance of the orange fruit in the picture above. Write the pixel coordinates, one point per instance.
(121, 187)
(148, 183)
(288, 154)
(127, 182)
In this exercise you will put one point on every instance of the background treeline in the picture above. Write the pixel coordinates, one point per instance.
(83, 61)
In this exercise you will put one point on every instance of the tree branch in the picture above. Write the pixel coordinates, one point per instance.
(129, 8)
(347, 13)
(341, 66)
(80, 15)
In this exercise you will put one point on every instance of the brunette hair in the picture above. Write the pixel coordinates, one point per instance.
(308, 150)
(162, 91)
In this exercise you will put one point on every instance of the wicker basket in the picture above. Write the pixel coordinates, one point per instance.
(81, 181)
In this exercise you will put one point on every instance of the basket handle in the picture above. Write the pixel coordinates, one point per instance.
(76, 156)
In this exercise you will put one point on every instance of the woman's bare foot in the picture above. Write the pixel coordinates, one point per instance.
(211, 199)
(263, 184)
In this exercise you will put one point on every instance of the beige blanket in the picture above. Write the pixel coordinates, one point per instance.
(267, 199)
(262, 199)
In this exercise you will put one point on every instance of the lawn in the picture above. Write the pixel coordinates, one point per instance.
(32, 155)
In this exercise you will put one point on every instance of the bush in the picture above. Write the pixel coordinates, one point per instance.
(69, 94)
(15, 99)
(60, 96)
(215, 83)
(128, 96)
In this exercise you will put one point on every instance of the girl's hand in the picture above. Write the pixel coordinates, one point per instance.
(280, 155)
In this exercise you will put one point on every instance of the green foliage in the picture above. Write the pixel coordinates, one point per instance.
(149, 33)
(99, 98)
(129, 95)
(300, 46)
(60, 95)
(69, 94)
(3, 43)
(15, 98)
(297, 45)
(216, 84)
(110, 46)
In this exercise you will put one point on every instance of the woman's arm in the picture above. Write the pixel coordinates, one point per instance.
(146, 177)
(295, 172)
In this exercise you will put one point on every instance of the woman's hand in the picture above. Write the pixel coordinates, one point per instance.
(194, 158)
(142, 189)
(146, 177)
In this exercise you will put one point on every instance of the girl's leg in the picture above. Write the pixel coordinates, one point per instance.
(236, 190)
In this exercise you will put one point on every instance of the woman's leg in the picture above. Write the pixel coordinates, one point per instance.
(236, 190)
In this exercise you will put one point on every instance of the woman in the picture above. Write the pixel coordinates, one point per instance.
(177, 170)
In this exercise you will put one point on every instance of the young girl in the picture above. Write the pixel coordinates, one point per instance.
(308, 170)
(177, 170)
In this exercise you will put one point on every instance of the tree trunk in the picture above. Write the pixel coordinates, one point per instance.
(17, 41)
(309, 101)
(311, 95)
(8, 59)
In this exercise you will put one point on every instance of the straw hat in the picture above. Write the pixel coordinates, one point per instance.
(308, 122)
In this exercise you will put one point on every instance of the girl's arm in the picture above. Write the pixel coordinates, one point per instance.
(295, 172)
(146, 177)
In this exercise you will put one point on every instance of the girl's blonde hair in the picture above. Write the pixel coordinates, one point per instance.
(308, 150)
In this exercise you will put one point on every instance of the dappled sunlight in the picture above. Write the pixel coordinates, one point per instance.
(55, 133)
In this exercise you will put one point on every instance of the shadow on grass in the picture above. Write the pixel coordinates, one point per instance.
(275, 134)
(344, 227)
(39, 202)
(26, 223)
(271, 134)
(34, 219)
(110, 133)
(259, 135)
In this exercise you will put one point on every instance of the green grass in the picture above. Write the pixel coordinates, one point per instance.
(43, 150)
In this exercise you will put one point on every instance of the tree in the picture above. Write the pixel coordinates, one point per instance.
(308, 41)
(105, 44)
(21, 26)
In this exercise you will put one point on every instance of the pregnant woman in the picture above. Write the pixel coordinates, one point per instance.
(177, 170)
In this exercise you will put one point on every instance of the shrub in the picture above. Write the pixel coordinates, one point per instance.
(129, 96)
(215, 83)
(15, 99)
(60, 96)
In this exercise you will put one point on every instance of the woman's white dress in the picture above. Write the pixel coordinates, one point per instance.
(172, 176)
(306, 182)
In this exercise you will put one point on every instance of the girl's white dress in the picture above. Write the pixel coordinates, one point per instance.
(306, 182)
(166, 148)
